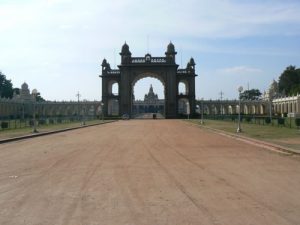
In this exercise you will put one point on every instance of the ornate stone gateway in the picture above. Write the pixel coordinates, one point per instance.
(133, 69)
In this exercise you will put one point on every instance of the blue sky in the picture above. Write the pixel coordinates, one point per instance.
(57, 46)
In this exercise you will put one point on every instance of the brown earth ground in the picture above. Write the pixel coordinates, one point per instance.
(152, 172)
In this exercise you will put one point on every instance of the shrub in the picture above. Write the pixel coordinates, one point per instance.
(42, 122)
(268, 120)
(31, 123)
(297, 122)
(280, 121)
(248, 119)
(4, 125)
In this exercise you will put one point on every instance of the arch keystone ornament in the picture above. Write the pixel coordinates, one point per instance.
(133, 69)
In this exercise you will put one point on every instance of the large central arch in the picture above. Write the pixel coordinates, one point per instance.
(149, 105)
(133, 69)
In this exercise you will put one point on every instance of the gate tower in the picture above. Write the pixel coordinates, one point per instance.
(133, 69)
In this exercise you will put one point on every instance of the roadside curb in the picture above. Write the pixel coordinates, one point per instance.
(259, 143)
(50, 132)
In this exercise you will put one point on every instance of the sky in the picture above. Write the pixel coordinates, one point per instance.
(57, 46)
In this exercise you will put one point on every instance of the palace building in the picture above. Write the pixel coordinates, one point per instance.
(150, 104)
(22, 106)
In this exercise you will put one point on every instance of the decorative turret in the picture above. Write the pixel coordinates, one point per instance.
(171, 49)
(125, 54)
(151, 89)
(170, 53)
(151, 96)
(191, 65)
(192, 62)
(105, 65)
(25, 92)
(24, 86)
(125, 49)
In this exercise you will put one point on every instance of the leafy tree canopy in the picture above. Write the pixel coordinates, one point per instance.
(289, 81)
(6, 88)
(39, 98)
(252, 94)
(16, 90)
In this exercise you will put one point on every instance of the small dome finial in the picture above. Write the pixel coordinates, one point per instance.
(125, 49)
(24, 86)
(192, 62)
(104, 62)
(171, 49)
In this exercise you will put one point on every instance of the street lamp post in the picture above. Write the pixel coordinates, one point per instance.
(84, 115)
(239, 129)
(270, 104)
(23, 110)
(202, 111)
(198, 109)
(34, 93)
(102, 113)
(78, 110)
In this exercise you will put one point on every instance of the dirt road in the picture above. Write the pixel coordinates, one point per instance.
(139, 172)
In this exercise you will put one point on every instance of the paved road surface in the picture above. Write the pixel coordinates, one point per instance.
(139, 172)
(148, 116)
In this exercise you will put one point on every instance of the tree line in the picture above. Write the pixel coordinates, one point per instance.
(289, 81)
(7, 90)
(288, 85)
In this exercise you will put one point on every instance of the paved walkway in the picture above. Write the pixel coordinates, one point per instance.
(146, 172)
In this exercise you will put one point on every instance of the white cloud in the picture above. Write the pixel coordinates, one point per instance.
(212, 18)
(74, 36)
(240, 70)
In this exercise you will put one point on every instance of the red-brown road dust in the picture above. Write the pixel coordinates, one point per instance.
(140, 172)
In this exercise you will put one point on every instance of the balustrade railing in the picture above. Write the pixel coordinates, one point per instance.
(158, 60)
(182, 71)
(113, 72)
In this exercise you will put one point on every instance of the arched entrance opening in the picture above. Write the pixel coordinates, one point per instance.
(231, 110)
(183, 106)
(113, 88)
(183, 88)
(246, 111)
(148, 96)
(113, 107)
(262, 109)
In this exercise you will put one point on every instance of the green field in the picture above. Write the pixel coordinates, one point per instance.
(10, 133)
(278, 135)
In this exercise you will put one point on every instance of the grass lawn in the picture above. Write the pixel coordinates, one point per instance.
(10, 133)
(278, 135)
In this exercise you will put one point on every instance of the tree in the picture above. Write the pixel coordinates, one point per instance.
(252, 94)
(289, 81)
(16, 90)
(6, 88)
(39, 98)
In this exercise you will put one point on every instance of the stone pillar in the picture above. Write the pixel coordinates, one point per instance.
(171, 93)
